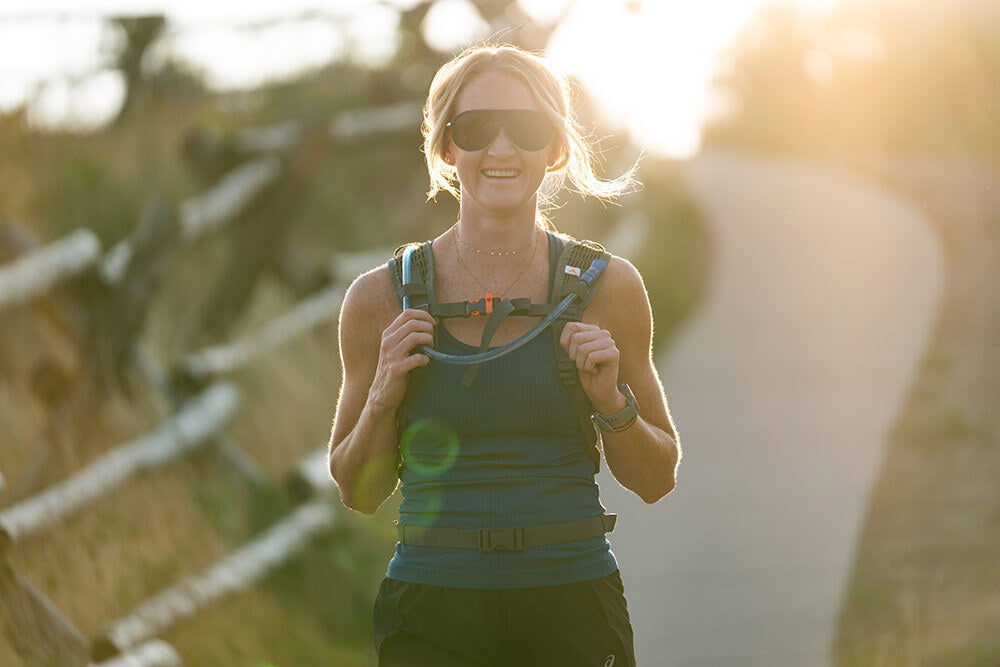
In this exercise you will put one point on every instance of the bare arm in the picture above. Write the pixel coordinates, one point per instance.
(644, 457)
(364, 452)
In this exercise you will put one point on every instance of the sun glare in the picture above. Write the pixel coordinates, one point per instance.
(649, 64)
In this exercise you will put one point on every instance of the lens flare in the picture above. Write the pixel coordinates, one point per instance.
(429, 447)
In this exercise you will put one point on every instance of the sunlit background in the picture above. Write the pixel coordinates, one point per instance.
(187, 188)
(648, 64)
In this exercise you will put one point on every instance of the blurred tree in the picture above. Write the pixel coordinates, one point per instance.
(869, 77)
(140, 33)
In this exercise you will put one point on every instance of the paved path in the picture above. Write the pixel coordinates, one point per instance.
(783, 387)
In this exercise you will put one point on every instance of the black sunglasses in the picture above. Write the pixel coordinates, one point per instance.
(474, 130)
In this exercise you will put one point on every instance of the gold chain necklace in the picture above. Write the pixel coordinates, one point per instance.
(459, 258)
(480, 252)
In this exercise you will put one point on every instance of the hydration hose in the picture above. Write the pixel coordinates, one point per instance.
(588, 278)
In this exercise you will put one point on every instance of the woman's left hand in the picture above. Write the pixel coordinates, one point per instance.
(596, 357)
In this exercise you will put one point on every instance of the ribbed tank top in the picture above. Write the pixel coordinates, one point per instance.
(508, 451)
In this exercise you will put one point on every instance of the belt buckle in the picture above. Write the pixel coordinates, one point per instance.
(501, 539)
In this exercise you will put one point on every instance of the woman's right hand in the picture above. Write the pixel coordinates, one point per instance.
(411, 328)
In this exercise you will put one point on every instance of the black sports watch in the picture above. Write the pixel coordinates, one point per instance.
(622, 419)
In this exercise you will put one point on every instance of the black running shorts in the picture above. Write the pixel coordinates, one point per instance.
(581, 624)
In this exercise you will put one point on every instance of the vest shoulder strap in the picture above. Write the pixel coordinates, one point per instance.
(575, 259)
(422, 276)
(422, 285)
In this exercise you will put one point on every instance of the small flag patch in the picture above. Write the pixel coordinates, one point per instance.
(573, 270)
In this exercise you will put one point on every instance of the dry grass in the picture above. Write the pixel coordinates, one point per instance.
(315, 610)
(44, 443)
(101, 564)
(924, 589)
(19, 187)
(160, 527)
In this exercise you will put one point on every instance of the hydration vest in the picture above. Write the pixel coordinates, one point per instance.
(573, 260)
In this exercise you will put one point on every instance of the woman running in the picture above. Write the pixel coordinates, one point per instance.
(502, 556)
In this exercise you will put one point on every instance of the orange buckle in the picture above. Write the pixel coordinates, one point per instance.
(489, 304)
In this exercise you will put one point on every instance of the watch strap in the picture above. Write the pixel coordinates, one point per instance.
(622, 419)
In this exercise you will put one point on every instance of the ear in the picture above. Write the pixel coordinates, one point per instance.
(448, 158)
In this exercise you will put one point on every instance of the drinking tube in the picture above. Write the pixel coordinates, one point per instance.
(596, 267)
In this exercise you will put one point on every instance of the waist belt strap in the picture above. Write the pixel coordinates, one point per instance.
(506, 539)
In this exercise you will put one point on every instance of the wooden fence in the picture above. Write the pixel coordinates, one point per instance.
(204, 402)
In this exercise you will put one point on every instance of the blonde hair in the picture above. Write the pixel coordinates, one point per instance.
(576, 156)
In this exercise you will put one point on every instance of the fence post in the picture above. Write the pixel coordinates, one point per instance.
(259, 239)
(124, 306)
(37, 630)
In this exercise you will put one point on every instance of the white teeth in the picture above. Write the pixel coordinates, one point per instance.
(498, 173)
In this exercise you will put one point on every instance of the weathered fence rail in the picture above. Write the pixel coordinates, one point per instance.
(206, 212)
(234, 573)
(346, 125)
(203, 417)
(154, 653)
(357, 123)
(311, 475)
(37, 271)
(308, 313)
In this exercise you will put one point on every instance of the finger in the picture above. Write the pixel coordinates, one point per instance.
(408, 327)
(404, 366)
(588, 348)
(601, 357)
(570, 329)
(578, 337)
(411, 324)
(418, 312)
(414, 339)
(587, 341)
(415, 360)
(585, 351)
(415, 315)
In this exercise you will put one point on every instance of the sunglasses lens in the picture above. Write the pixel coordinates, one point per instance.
(531, 130)
(474, 130)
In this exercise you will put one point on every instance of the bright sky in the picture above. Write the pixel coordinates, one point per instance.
(648, 62)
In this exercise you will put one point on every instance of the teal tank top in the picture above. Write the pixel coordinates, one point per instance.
(506, 452)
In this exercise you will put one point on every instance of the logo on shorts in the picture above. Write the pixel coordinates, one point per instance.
(610, 660)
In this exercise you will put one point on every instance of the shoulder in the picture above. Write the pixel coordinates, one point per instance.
(620, 289)
(621, 274)
(373, 287)
(620, 280)
(369, 301)
(621, 301)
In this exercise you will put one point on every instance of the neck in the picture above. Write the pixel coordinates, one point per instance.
(497, 233)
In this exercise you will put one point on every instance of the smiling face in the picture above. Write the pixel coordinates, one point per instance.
(502, 179)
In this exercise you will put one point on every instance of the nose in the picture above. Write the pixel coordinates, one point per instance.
(501, 144)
